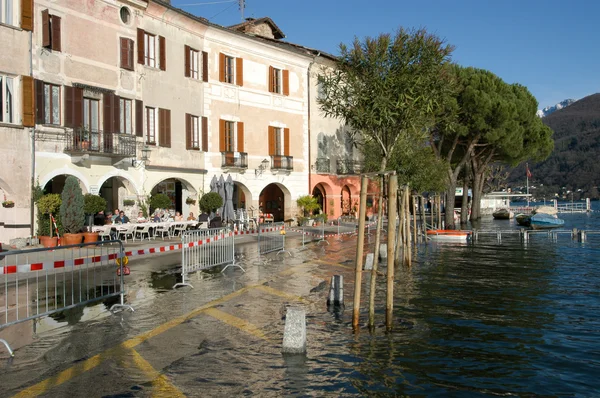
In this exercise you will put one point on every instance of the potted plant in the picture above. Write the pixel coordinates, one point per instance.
(8, 203)
(210, 202)
(92, 204)
(71, 211)
(160, 201)
(190, 201)
(47, 206)
(128, 202)
(308, 204)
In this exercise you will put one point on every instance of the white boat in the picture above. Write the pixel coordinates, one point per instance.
(449, 235)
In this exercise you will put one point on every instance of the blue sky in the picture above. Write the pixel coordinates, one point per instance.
(552, 47)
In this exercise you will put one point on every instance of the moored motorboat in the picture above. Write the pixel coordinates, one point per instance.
(448, 235)
(503, 214)
(546, 221)
(523, 219)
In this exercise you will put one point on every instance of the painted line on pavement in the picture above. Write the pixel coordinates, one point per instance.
(238, 323)
(275, 292)
(161, 384)
(334, 264)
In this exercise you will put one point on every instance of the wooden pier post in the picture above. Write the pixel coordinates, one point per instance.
(359, 251)
(392, 197)
(407, 218)
(373, 285)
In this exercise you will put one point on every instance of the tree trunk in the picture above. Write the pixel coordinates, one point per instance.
(373, 284)
(464, 208)
(477, 192)
(450, 198)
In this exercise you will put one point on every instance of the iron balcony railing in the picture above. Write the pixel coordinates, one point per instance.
(349, 167)
(280, 162)
(234, 159)
(100, 142)
(323, 165)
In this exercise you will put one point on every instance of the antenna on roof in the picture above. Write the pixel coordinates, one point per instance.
(242, 6)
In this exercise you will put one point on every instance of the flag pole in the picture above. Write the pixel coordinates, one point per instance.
(527, 174)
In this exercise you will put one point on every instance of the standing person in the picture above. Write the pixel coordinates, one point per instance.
(122, 218)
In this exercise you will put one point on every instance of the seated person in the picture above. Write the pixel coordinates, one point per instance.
(108, 219)
(203, 217)
(157, 217)
(165, 216)
(178, 216)
(140, 217)
(216, 222)
(122, 218)
(191, 217)
(100, 218)
(115, 215)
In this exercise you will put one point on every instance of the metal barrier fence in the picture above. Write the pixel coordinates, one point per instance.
(38, 282)
(206, 248)
(271, 238)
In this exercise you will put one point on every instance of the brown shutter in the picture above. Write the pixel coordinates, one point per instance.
(168, 128)
(107, 115)
(271, 140)
(286, 82)
(27, 15)
(204, 66)
(126, 53)
(221, 135)
(240, 136)
(55, 38)
(46, 29)
(204, 134)
(286, 142)
(40, 116)
(271, 72)
(68, 106)
(140, 46)
(28, 102)
(239, 71)
(77, 107)
(188, 131)
(186, 54)
(221, 67)
(139, 118)
(116, 119)
(161, 127)
(163, 52)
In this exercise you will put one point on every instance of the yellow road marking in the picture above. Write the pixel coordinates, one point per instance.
(88, 364)
(161, 384)
(235, 321)
(334, 264)
(279, 293)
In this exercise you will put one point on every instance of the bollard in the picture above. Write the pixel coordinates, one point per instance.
(582, 236)
(525, 235)
(383, 251)
(369, 261)
(574, 233)
(336, 291)
(294, 333)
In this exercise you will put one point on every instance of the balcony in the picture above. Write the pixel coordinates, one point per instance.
(100, 143)
(323, 166)
(349, 167)
(280, 162)
(234, 160)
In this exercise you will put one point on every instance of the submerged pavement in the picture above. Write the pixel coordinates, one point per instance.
(222, 337)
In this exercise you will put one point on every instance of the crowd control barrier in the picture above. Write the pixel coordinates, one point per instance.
(271, 238)
(206, 248)
(38, 282)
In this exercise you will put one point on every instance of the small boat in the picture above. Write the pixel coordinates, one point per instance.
(546, 221)
(503, 214)
(523, 219)
(448, 235)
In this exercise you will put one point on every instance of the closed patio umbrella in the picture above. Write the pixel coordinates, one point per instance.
(228, 212)
(221, 190)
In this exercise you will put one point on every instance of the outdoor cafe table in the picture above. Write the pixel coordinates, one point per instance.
(123, 227)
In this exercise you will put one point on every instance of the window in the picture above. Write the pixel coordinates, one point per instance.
(125, 15)
(50, 31)
(231, 136)
(279, 81)
(191, 63)
(51, 104)
(151, 50)
(8, 12)
(193, 131)
(151, 125)
(126, 53)
(279, 141)
(231, 69)
(7, 99)
(125, 122)
(90, 114)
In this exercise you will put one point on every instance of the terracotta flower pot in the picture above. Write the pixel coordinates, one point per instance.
(90, 237)
(72, 239)
(47, 241)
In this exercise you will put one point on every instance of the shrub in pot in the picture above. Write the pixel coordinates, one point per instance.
(210, 202)
(160, 201)
(48, 206)
(71, 211)
(92, 204)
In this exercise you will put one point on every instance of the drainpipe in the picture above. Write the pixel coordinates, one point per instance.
(32, 131)
(309, 135)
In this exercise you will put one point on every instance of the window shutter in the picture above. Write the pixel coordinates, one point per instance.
(77, 107)
(271, 141)
(116, 119)
(46, 29)
(27, 15)
(28, 101)
(240, 137)
(140, 46)
(239, 71)
(163, 52)
(126, 53)
(107, 115)
(161, 127)
(40, 116)
(286, 142)
(271, 72)
(204, 134)
(188, 131)
(168, 128)
(186, 54)
(204, 66)
(221, 135)
(68, 106)
(221, 67)
(139, 118)
(286, 81)
(55, 37)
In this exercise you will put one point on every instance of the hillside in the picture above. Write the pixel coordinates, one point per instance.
(575, 162)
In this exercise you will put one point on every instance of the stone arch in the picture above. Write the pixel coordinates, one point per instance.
(130, 184)
(83, 183)
(270, 201)
(115, 189)
(178, 189)
(346, 202)
(322, 191)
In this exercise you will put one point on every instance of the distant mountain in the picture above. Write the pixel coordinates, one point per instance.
(574, 163)
(551, 109)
